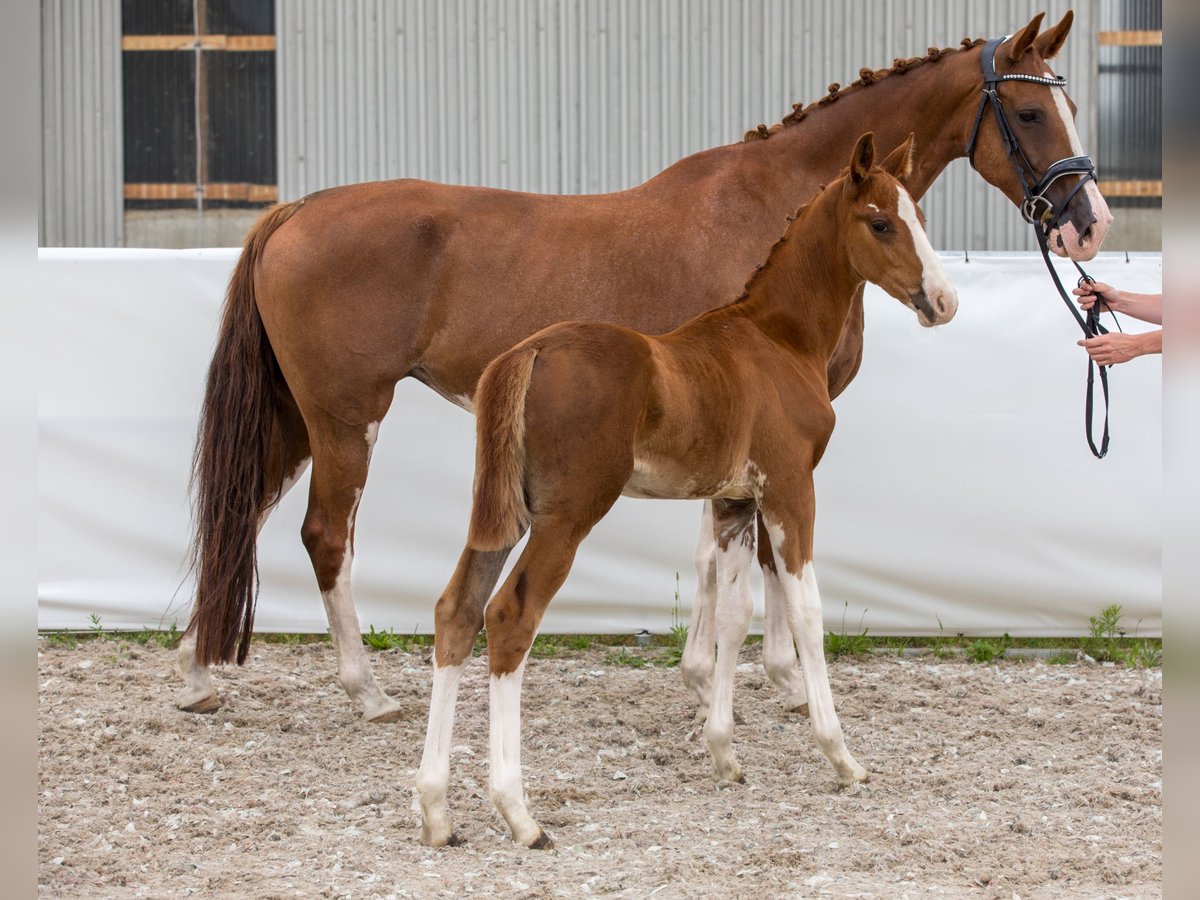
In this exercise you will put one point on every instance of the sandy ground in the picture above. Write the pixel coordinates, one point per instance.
(1010, 780)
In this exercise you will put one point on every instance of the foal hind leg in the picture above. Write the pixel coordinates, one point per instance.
(341, 456)
(458, 620)
(733, 522)
(779, 650)
(513, 617)
(699, 656)
(287, 460)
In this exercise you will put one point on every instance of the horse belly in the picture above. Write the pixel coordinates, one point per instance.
(664, 480)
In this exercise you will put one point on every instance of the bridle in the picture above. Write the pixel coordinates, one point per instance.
(1040, 212)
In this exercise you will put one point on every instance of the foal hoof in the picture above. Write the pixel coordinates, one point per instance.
(799, 707)
(390, 712)
(451, 840)
(209, 703)
(542, 842)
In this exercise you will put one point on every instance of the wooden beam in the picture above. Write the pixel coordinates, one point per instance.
(240, 191)
(236, 43)
(1129, 38)
(1131, 188)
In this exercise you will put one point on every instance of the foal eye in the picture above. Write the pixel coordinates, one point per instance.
(879, 226)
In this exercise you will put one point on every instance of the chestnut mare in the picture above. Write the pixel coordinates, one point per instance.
(339, 295)
(733, 407)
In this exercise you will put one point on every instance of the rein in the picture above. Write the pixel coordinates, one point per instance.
(1040, 212)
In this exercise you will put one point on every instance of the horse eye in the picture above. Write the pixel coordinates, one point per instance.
(1027, 115)
(879, 226)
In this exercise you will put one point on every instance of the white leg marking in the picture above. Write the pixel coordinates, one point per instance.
(198, 694)
(433, 778)
(504, 744)
(804, 616)
(934, 280)
(734, 606)
(696, 665)
(354, 670)
(779, 650)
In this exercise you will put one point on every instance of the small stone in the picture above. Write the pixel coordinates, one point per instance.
(619, 776)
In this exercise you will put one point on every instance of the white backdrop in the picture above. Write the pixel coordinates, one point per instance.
(957, 486)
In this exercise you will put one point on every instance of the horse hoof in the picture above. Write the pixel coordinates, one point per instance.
(542, 842)
(800, 709)
(209, 703)
(390, 713)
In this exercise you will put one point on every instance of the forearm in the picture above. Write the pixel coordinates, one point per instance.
(1150, 342)
(1147, 307)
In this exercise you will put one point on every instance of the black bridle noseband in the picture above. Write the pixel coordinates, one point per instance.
(1039, 211)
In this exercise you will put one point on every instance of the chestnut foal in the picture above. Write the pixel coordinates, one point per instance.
(733, 406)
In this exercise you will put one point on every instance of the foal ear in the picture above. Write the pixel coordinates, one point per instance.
(1050, 42)
(862, 158)
(1024, 40)
(900, 161)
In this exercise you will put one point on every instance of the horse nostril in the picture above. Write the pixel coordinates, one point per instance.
(941, 305)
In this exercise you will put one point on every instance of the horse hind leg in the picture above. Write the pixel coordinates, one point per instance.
(288, 459)
(341, 457)
(699, 651)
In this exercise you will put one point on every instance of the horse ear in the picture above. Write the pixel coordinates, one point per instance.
(862, 158)
(900, 161)
(1024, 40)
(1050, 42)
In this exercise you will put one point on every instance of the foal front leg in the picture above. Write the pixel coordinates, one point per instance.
(791, 544)
(733, 534)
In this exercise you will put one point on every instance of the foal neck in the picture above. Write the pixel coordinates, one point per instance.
(802, 294)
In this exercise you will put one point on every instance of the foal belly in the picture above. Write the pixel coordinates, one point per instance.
(669, 480)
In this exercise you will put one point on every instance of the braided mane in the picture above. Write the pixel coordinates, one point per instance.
(866, 77)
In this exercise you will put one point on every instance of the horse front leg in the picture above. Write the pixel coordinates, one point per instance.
(699, 658)
(733, 536)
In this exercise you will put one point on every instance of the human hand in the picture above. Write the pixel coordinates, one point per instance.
(1089, 291)
(1109, 349)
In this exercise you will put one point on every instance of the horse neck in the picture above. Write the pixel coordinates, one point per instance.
(935, 101)
(802, 295)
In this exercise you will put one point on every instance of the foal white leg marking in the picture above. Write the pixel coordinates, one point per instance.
(198, 694)
(804, 616)
(779, 650)
(934, 280)
(696, 665)
(734, 606)
(354, 670)
(504, 746)
(433, 778)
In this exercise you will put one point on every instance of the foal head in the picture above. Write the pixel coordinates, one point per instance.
(883, 231)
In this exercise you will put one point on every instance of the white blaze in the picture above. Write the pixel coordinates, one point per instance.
(934, 280)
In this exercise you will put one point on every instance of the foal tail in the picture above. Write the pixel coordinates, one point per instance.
(231, 454)
(500, 510)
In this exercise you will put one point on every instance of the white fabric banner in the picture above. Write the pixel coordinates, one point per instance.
(957, 488)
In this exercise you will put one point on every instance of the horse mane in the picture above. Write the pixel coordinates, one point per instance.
(866, 77)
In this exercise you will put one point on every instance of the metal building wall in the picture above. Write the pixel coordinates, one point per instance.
(579, 97)
(82, 159)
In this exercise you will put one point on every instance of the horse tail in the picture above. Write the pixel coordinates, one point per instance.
(500, 509)
(233, 441)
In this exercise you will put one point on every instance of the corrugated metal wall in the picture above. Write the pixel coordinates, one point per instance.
(82, 165)
(580, 97)
(563, 97)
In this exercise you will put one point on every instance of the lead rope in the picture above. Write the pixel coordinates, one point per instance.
(1091, 327)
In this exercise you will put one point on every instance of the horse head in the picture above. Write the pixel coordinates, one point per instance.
(883, 230)
(1024, 141)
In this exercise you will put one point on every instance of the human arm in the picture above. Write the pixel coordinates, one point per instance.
(1147, 307)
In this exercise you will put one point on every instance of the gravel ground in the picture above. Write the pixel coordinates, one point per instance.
(1016, 779)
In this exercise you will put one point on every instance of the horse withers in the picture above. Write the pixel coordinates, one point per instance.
(733, 407)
